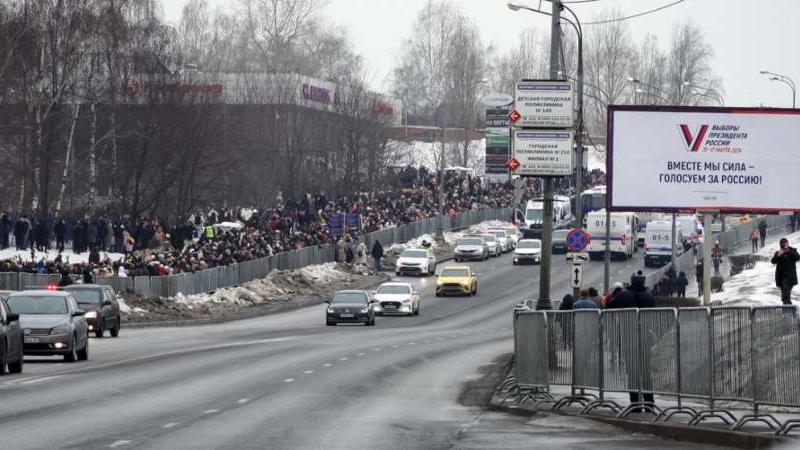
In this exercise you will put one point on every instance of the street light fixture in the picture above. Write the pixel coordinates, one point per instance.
(785, 80)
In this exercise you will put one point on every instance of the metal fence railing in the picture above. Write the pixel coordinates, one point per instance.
(209, 280)
(745, 356)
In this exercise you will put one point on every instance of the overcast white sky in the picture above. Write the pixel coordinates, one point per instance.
(746, 35)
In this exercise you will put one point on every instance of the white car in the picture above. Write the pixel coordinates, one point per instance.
(471, 248)
(528, 251)
(506, 243)
(491, 242)
(398, 298)
(416, 261)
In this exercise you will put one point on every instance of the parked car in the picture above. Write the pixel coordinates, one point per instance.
(11, 356)
(560, 241)
(416, 261)
(393, 298)
(471, 248)
(350, 306)
(528, 251)
(101, 306)
(457, 280)
(52, 324)
(504, 235)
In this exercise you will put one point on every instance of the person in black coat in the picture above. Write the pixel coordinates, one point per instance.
(377, 254)
(785, 260)
(65, 279)
(5, 227)
(566, 303)
(60, 231)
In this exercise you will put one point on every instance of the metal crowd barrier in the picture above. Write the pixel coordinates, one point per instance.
(746, 355)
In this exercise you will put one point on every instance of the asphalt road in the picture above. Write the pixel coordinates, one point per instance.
(288, 381)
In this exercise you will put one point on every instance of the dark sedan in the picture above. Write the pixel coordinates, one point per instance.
(52, 324)
(350, 307)
(101, 306)
(11, 359)
(560, 241)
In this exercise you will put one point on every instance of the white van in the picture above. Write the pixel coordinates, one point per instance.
(624, 231)
(658, 240)
(692, 229)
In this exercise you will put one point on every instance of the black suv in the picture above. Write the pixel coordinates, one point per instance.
(11, 359)
(101, 306)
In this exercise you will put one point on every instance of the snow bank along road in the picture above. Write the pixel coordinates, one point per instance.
(286, 380)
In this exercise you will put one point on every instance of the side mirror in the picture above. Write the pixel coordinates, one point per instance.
(374, 292)
(372, 301)
(107, 303)
(12, 317)
(79, 313)
(327, 302)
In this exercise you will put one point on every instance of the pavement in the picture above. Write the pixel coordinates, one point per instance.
(288, 381)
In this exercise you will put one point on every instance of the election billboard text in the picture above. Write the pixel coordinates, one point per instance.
(703, 159)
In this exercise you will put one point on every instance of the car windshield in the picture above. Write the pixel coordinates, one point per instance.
(394, 290)
(37, 304)
(470, 241)
(500, 234)
(455, 273)
(489, 238)
(533, 214)
(87, 296)
(414, 254)
(529, 244)
(349, 297)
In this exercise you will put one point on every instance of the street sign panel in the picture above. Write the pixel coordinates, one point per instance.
(498, 141)
(578, 258)
(513, 164)
(577, 240)
(497, 99)
(543, 153)
(514, 116)
(544, 104)
(576, 275)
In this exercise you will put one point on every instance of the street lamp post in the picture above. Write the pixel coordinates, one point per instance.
(785, 80)
(636, 81)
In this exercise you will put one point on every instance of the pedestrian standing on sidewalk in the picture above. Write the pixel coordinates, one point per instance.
(755, 236)
(698, 275)
(377, 254)
(762, 229)
(680, 285)
(785, 260)
(716, 256)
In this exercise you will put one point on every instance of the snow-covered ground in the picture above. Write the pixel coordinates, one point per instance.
(67, 256)
(756, 286)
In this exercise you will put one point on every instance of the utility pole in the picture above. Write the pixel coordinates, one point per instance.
(547, 213)
(579, 137)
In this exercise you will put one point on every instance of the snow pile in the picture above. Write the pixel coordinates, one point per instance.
(67, 256)
(452, 237)
(413, 243)
(756, 286)
(127, 309)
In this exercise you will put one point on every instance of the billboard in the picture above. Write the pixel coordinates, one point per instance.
(498, 141)
(698, 158)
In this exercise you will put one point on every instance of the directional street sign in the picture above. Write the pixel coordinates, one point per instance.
(578, 258)
(576, 276)
(513, 164)
(544, 104)
(514, 116)
(543, 152)
(577, 240)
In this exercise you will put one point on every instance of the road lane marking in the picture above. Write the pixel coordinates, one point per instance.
(361, 354)
(242, 401)
(308, 372)
(394, 346)
(289, 380)
(327, 365)
(39, 380)
(412, 343)
(343, 359)
(119, 443)
(210, 411)
(376, 349)
(170, 425)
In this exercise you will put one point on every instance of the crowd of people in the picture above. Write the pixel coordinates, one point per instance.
(126, 246)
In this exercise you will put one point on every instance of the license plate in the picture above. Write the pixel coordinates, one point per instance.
(390, 307)
(32, 340)
(347, 316)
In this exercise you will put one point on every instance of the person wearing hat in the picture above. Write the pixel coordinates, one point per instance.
(785, 260)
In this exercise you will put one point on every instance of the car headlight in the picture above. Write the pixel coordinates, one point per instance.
(61, 329)
(91, 315)
(365, 310)
(330, 311)
(408, 300)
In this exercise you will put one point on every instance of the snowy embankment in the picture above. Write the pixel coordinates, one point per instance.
(67, 256)
(756, 286)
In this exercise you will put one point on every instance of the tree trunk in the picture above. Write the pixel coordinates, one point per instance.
(92, 200)
(65, 173)
(37, 159)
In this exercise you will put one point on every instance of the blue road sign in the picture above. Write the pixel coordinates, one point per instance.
(577, 240)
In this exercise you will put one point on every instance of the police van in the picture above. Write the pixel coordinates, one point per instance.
(658, 241)
(623, 234)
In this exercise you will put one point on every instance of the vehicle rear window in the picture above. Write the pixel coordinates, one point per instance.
(414, 254)
(36, 304)
(490, 238)
(455, 273)
(349, 297)
(529, 244)
(470, 241)
(87, 296)
(394, 290)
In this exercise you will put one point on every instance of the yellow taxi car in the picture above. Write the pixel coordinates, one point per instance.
(457, 280)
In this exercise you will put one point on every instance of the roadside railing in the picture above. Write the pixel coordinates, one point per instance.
(747, 355)
(209, 280)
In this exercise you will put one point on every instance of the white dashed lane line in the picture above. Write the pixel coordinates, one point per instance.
(289, 380)
(169, 425)
(242, 401)
(308, 372)
(119, 443)
(361, 354)
(327, 365)
(343, 359)
(210, 411)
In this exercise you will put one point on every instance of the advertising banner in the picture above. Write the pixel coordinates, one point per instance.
(698, 158)
(498, 145)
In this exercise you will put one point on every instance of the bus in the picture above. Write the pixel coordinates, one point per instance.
(593, 199)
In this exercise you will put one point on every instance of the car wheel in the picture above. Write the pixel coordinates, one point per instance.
(16, 367)
(416, 311)
(3, 359)
(475, 290)
(83, 354)
(330, 324)
(98, 333)
(438, 294)
(397, 274)
(515, 263)
(72, 356)
(115, 331)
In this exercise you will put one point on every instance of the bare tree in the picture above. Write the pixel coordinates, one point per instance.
(689, 75)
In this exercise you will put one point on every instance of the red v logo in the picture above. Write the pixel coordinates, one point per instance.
(693, 143)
